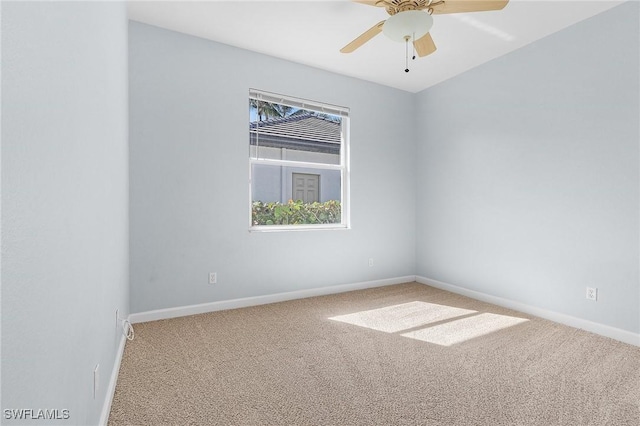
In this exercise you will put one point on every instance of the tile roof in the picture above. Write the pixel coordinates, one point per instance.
(304, 127)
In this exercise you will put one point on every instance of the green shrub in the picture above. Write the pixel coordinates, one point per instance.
(295, 213)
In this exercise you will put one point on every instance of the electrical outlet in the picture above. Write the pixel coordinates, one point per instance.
(371, 261)
(96, 380)
(213, 277)
(592, 293)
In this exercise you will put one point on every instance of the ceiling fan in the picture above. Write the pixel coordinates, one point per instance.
(412, 20)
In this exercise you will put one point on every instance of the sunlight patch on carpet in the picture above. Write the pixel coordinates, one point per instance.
(464, 329)
(395, 318)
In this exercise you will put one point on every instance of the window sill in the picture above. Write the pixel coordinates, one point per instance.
(298, 228)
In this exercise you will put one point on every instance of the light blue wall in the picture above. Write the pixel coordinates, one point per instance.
(189, 168)
(529, 170)
(64, 203)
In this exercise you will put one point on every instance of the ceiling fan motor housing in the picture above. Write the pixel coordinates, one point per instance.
(411, 23)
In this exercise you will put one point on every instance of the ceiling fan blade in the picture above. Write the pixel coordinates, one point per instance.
(459, 6)
(377, 3)
(424, 45)
(363, 38)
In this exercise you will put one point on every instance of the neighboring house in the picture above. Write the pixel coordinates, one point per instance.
(307, 137)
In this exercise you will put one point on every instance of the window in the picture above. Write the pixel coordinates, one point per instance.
(299, 163)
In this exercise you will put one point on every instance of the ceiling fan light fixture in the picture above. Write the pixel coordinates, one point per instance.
(410, 23)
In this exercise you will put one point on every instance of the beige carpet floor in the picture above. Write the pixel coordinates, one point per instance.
(406, 354)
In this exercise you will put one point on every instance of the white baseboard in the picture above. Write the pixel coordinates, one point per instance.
(111, 388)
(202, 308)
(594, 327)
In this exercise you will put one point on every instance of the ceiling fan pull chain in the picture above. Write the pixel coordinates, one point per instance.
(406, 53)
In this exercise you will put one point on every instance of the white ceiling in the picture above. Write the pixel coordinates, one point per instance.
(312, 32)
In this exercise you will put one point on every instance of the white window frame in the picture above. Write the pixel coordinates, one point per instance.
(343, 167)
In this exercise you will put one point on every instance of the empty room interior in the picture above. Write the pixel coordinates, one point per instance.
(320, 212)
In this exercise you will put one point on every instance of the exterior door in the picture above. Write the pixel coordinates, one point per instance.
(306, 187)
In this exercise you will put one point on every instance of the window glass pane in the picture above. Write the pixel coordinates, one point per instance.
(284, 195)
